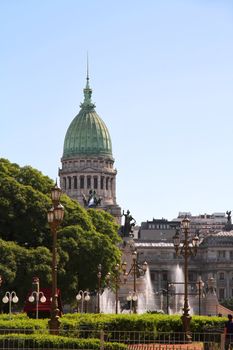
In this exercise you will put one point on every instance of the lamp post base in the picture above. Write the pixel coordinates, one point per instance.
(186, 319)
(54, 325)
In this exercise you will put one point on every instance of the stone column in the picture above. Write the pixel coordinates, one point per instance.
(114, 189)
(85, 183)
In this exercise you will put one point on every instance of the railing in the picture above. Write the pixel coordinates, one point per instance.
(91, 339)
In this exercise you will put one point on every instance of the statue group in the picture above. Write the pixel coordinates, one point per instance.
(127, 228)
(92, 201)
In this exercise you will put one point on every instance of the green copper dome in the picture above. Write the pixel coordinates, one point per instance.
(87, 133)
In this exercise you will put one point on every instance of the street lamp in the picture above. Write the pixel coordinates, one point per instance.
(137, 270)
(83, 296)
(10, 297)
(131, 297)
(99, 275)
(185, 247)
(37, 297)
(119, 270)
(55, 216)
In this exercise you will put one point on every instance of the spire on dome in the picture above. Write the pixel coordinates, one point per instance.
(87, 91)
(87, 84)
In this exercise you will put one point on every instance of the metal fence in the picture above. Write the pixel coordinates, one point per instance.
(11, 339)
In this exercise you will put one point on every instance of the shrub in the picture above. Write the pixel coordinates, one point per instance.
(35, 341)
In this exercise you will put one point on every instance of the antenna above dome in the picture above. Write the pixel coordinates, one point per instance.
(87, 85)
(87, 103)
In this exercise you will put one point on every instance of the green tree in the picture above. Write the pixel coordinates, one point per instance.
(86, 238)
(80, 253)
(18, 265)
(105, 223)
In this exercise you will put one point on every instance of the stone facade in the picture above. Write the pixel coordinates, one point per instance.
(79, 175)
(214, 259)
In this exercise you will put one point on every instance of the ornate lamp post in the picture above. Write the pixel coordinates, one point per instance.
(119, 270)
(83, 296)
(186, 248)
(37, 296)
(55, 217)
(99, 275)
(136, 271)
(10, 297)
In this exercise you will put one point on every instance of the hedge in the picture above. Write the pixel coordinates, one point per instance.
(36, 341)
(79, 324)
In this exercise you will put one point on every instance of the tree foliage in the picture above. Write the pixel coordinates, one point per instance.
(18, 265)
(86, 238)
(84, 250)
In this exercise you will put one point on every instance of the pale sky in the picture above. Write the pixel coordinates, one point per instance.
(162, 78)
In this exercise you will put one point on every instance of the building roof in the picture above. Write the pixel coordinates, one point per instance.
(222, 238)
(154, 244)
(87, 133)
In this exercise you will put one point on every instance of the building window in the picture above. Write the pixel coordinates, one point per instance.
(231, 254)
(221, 293)
(81, 181)
(75, 182)
(107, 182)
(191, 276)
(221, 276)
(164, 276)
(102, 183)
(152, 276)
(95, 182)
(88, 182)
(221, 253)
(69, 182)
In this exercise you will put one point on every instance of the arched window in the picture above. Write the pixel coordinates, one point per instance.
(81, 181)
(75, 182)
(107, 183)
(95, 182)
(221, 276)
(102, 183)
(88, 182)
(69, 182)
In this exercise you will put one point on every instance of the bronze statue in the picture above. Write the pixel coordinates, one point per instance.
(129, 224)
(92, 201)
(228, 217)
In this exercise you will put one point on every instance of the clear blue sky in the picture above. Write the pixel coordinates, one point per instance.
(162, 79)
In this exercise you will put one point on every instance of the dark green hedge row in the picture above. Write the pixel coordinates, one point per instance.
(37, 341)
(143, 323)
(79, 324)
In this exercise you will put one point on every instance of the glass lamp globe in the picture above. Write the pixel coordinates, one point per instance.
(87, 297)
(31, 298)
(15, 299)
(43, 299)
(5, 299)
(78, 297)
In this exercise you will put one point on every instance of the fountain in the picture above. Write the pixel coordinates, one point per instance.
(146, 299)
(179, 289)
(176, 305)
(108, 302)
